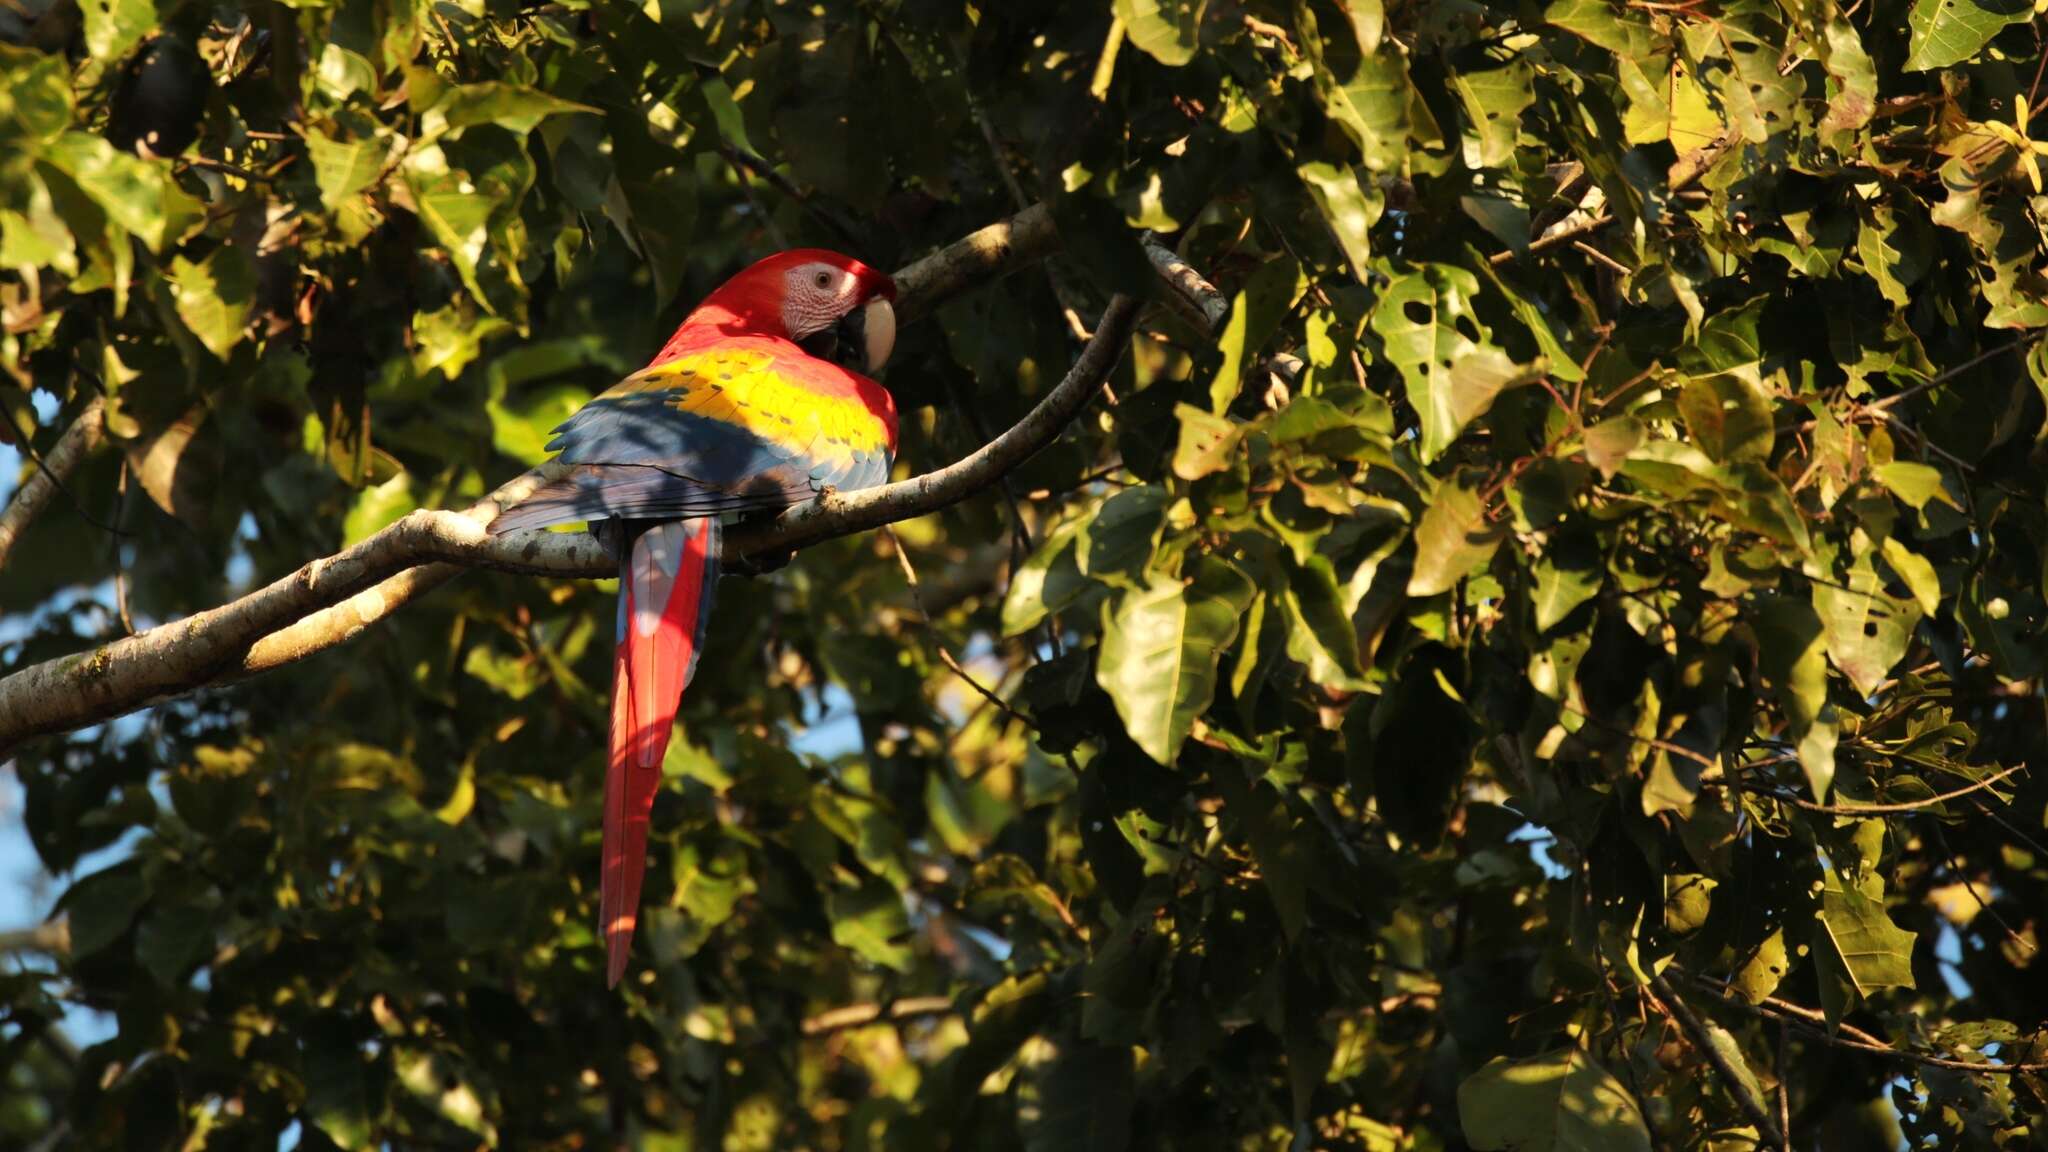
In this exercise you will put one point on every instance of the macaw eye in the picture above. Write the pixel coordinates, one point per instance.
(823, 279)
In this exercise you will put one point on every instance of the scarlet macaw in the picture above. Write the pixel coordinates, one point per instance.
(744, 409)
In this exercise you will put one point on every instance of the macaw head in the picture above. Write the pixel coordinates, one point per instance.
(834, 306)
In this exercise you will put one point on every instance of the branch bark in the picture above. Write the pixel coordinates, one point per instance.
(329, 601)
(80, 440)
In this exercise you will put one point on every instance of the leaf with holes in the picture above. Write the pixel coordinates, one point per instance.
(1948, 32)
(1428, 325)
(1867, 629)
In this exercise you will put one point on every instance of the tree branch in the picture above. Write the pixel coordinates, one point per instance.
(1813, 1023)
(1744, 1091)
(79, 441)
(859, 1015)
(1197, 300)
(329, 601)
(52, 936)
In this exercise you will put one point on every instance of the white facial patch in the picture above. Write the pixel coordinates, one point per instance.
(815, 297)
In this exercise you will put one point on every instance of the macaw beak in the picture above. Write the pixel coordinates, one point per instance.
(862, 340)
(874, 332)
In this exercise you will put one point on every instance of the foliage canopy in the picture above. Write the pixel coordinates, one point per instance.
(1544, 676)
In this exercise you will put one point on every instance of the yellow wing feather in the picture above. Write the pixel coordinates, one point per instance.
(741, 387)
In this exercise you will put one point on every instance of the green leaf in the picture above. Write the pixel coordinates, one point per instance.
(510, 106)
(871, 921)
(1207, 442)
(136, 194)
(337, 1096)
(215, 297)
(1917, 572)
(1160, 647)
(1453, 540)
(1080, 1099)
(1049, 582)
(710, 883)
(466, 201)
(1432, 334)
(1556, 360)
(725, 112)
(1254, 315)
(1688, 899)
(1948, 32)
(445, 1086)
(1350, 209)
(1841, 52)
(1167, 30)
(378, 506)
(1321, 635)
(1867, 629)
(343, 169)
(1916, 484)
(1763, 968)
(1568, 574)
(515, 677)
(1118, 542)
(1494, 101)
(1371, 104)
(98, 908)
(174, 476)
(1791, 654)
(1876, 952)
(114, 27)
(1609, 443)
(1601, 23)
(1562, 1101)
(1729, 416)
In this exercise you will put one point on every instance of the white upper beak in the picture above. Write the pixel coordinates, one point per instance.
(879, 326)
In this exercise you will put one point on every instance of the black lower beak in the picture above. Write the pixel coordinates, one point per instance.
(844, 344)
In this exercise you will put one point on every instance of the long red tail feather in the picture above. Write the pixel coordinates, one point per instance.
(665, 583)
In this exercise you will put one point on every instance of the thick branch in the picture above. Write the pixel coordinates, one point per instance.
(85, 434)
(990, 253)
(329, 601)
(1192, 295)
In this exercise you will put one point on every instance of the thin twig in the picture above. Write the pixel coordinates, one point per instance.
(1949, 856)
(120, 555)
(1689, 168)
(1814, 1023)
(1853, 809)
(1784, 1092)
(1060, 292)
(235, 170)
(1563, 235)
(754, 202)
(747, 161)
(1600, 257)
(1752, 1105)
(945, 654)
(1947, 374)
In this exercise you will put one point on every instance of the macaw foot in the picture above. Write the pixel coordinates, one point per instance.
(611, 536)
(762, 563)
